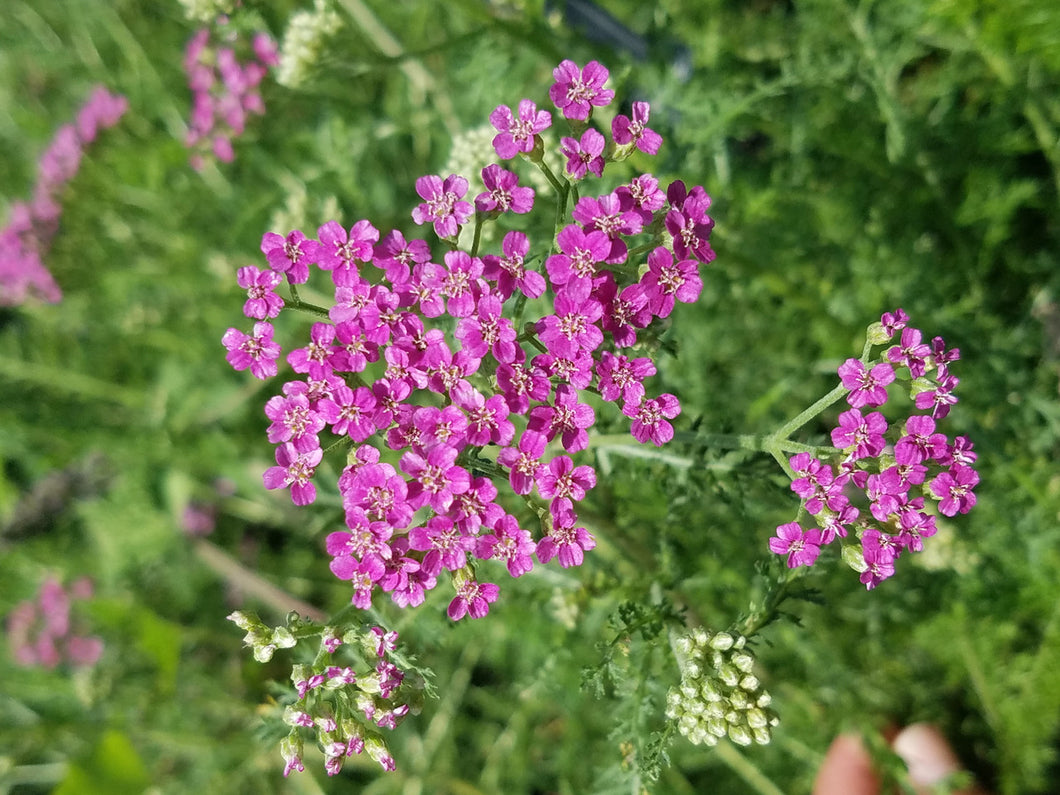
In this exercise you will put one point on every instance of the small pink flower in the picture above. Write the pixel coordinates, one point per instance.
(473, 599)
(503, 192)
(262, 302)
(634, 131)
(801, 546)
(295, 470)
(576, 91)
(257, 352)
(517, 134)
(954, 489)
(650, 419)
(442, 206)
(867, 387)
(584, 155)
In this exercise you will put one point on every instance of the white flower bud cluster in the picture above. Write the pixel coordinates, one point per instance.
(263, 640)
(719, 695)
(303, 40)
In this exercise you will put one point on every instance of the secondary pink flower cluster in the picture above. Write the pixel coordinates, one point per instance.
(430, 418)
(884, 469)
(332, 698)
(29, 232)
(41, 632)
(224, 91)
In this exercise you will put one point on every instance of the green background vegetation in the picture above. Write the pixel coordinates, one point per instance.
(861, 157)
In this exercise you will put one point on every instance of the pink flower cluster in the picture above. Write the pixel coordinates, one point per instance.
(41, 632)
(430, 418)
(886, 470)
(29, 232)
(378, 695)
(224, 91)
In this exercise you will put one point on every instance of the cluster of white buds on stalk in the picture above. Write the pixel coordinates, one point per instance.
(719, 694)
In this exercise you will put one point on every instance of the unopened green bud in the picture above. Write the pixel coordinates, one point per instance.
(877, 335)
(717, 727)
(699, 736)
(710, 690)
(749, 683)
(740, 735)
(715, 710)
(743, 661)
(757, 719)
(729, 675)
(852, 557)
(263, 653)
(723, 641)
(282, 638)
(300, 672)
(763, 700)
(245, 620)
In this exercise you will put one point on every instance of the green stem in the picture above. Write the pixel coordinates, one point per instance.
(767, 613)
(304, 306)
(478, 235)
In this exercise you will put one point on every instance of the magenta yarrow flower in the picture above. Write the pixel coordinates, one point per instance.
(257, 352)
(954, 489)
(442, 206)
(642, 196)
(262, 302)
(294, 470)
(584, 155)
(517, 134)
(863, 434)
(575, 267)
(28, 235)
(224, 92)
(441, 392)
(567, 419)
(688, 222)
(503, 193)
(867, 387)
(650, 417)
(894, 322)
(435, 478)
(524, 461)
(472, 599)
(340, 248)
(667, 282)
(291, 255)
(801, 546)
(510, 271)
(565, 541)
(607, 214)
(576, 91)
(627, 131)
(573, 327)
(898, 465)
(620, 377)
(510, 543)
